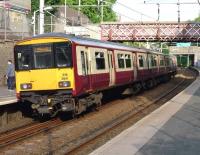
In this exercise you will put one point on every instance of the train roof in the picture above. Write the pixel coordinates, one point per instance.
(93, 42)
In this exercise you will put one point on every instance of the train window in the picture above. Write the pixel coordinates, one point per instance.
(86, 56)
(100, 60)
(141, 61)
(133, 60)
(83, 63)
(167, 61)
(43, 56)
(128, 60)
(23, 58)
(110, 60)
(161, 62)
(121, 63)
(154, 61)
(63, 54)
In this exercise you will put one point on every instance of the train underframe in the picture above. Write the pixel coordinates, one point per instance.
(52, 102)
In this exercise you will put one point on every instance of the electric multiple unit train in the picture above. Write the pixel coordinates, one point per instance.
(56, 72)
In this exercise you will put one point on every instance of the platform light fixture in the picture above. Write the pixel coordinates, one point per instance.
(34, 18)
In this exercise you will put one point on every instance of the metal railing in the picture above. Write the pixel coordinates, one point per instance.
(17, 25)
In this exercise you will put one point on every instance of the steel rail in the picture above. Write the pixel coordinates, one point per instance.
(20, 134)
(86, 140)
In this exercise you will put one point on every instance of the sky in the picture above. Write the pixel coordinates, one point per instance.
(168, 12)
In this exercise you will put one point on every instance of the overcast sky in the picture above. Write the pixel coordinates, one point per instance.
(168, 12)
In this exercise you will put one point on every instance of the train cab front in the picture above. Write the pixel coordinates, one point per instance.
(44, 74)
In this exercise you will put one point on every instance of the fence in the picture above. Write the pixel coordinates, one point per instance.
(17, 26)
(14, 25)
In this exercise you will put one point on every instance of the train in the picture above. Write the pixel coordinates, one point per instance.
(60, 73)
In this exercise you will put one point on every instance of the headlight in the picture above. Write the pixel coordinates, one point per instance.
(62, 84)
(26, 86)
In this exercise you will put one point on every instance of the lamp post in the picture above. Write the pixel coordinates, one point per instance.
(34, 19)
(198, 41)
(5, 21)
(34, 23)
(79, 10)
(158, 4)
(65, 12)
(101, 1)
(41, 16)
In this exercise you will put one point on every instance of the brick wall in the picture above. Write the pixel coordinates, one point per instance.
(6, 53)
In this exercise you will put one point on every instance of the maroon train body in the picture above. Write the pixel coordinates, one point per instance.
(100, 67)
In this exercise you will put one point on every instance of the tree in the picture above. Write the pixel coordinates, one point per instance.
(93, 13)
(197, 19)
(35, 4)
(136, 44)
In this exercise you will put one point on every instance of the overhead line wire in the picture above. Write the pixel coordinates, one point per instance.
(135, 11)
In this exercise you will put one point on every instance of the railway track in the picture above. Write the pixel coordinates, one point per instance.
(78, 144)
(27, 131)
(141, 111)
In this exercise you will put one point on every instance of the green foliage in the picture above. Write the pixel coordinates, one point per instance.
(35, 4)
(93, 13)
(153, 45)
(165, 49)
(197, 19)
(136, 44)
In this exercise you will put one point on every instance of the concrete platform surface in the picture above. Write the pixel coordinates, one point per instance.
(173, 129)
(6, 96)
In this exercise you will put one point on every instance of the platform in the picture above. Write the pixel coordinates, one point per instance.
(174, 128)
(7, 97)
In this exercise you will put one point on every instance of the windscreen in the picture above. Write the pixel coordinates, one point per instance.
(23, 58)
(63, 58)
(43, 56)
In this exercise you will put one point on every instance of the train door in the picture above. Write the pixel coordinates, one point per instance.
(111, 68)
(135, 66)
(83, 67)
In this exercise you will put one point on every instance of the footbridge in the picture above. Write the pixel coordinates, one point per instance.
(151, 31)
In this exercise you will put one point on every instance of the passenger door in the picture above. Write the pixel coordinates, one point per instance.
(83, 68)
(111, 68)
(135, 66)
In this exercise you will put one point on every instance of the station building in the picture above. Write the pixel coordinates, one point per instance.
(186, 56)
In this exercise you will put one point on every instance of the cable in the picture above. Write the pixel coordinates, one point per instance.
(126, 16)
(186, 3)
(135, 10)
(71, 6)
(61, 17)
(147, 1)
(92, 29)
